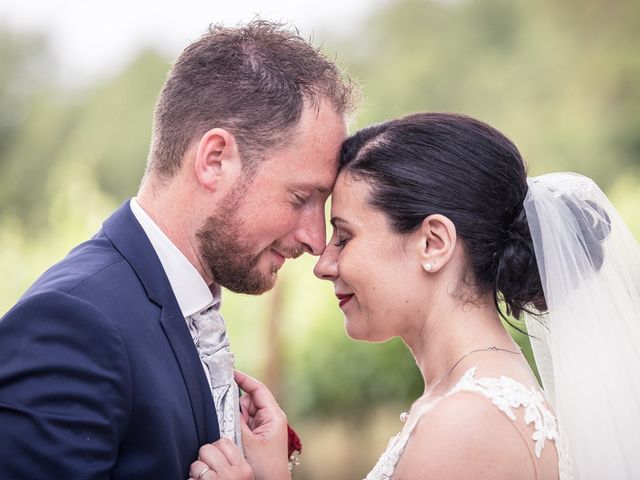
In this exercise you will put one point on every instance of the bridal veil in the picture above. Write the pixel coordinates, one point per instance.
(587, 344)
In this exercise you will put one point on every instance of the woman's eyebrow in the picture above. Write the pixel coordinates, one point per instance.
(337, 220)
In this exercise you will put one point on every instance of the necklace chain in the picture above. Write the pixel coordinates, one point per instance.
(434, 384)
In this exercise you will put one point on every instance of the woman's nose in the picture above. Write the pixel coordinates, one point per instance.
(327, 266)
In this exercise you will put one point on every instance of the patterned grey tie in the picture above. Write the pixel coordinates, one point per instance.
(210, 337)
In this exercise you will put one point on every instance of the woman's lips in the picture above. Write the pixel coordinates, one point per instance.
(343, 299)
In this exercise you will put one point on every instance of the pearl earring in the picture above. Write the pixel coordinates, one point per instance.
(428, 267)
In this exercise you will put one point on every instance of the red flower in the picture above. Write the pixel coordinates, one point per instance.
(295, 445)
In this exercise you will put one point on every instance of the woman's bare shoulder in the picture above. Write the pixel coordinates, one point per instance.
(465, 436)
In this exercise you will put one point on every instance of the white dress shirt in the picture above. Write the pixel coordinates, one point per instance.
(191, 291)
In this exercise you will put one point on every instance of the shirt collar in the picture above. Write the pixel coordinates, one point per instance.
(191, 291)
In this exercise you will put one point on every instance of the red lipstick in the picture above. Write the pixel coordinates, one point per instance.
(343, 299)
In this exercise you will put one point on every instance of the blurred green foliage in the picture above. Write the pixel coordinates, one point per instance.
(561, 79)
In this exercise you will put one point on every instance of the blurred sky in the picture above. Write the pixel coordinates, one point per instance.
(90, 38)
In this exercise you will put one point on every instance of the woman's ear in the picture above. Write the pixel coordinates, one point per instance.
(437, 240)
(217, 160)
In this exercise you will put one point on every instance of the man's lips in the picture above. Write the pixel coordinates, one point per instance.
(344, 298)
(279, 257)
(281, 253)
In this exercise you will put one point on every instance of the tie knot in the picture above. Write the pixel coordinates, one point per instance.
(210, 332)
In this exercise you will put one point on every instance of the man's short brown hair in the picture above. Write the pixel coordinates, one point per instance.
(252, 80)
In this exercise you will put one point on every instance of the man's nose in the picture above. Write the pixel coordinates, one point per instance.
(312, 232)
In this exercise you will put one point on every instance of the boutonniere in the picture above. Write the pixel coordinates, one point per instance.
(295, 447)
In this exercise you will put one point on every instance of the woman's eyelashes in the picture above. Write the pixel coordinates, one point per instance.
(340, 239)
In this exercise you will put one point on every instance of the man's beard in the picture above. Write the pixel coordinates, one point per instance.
(233, 263)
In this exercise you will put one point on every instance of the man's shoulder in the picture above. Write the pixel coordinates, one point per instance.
(95, 272)
(87, 262)
(93, 277)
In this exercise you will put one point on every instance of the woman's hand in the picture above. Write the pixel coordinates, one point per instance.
(221, 460)
(264, 438)
(264, 430)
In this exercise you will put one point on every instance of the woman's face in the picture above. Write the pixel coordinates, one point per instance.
(375, 271)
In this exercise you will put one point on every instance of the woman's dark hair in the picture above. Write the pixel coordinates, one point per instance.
(464, 169)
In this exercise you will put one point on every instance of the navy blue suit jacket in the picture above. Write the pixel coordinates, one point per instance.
(99, 377)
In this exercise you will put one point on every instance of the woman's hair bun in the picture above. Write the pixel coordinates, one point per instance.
(517, 276)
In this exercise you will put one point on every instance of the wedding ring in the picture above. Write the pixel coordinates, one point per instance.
(206, 469)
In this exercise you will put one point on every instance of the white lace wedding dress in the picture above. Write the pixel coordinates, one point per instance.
(505, 393)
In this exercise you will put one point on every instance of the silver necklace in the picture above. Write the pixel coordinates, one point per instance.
(493, 348)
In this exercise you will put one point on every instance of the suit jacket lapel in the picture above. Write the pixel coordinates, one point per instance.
(130, 240)
(177, 332)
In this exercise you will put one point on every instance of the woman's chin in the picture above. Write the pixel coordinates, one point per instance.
(353, 332)
(363, 335)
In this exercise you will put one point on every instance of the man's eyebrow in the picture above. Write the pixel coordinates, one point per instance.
(313, 186)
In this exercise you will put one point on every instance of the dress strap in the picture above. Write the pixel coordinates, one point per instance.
(504, 392)
(507, 394)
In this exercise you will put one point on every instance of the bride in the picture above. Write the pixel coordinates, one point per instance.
(437, 231)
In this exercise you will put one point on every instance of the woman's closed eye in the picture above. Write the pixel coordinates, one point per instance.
(341, 243)
(340, 239)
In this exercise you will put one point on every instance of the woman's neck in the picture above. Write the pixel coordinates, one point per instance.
(450, 331)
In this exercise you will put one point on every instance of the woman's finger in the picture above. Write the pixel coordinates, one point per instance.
(247, 406)
(259, 393)
(201, 471)
(230, 451)
(245, 431)
(213, 457)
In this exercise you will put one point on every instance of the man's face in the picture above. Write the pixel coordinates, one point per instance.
(277, 213)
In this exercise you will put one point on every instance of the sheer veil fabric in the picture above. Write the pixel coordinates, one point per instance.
(587, 345)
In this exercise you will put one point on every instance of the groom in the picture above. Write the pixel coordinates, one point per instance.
(103, 372)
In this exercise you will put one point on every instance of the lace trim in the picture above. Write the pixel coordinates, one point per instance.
(505, 393)
(386, 465)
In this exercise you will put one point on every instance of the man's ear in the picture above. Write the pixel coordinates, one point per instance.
(217, 160)
(437, 240)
